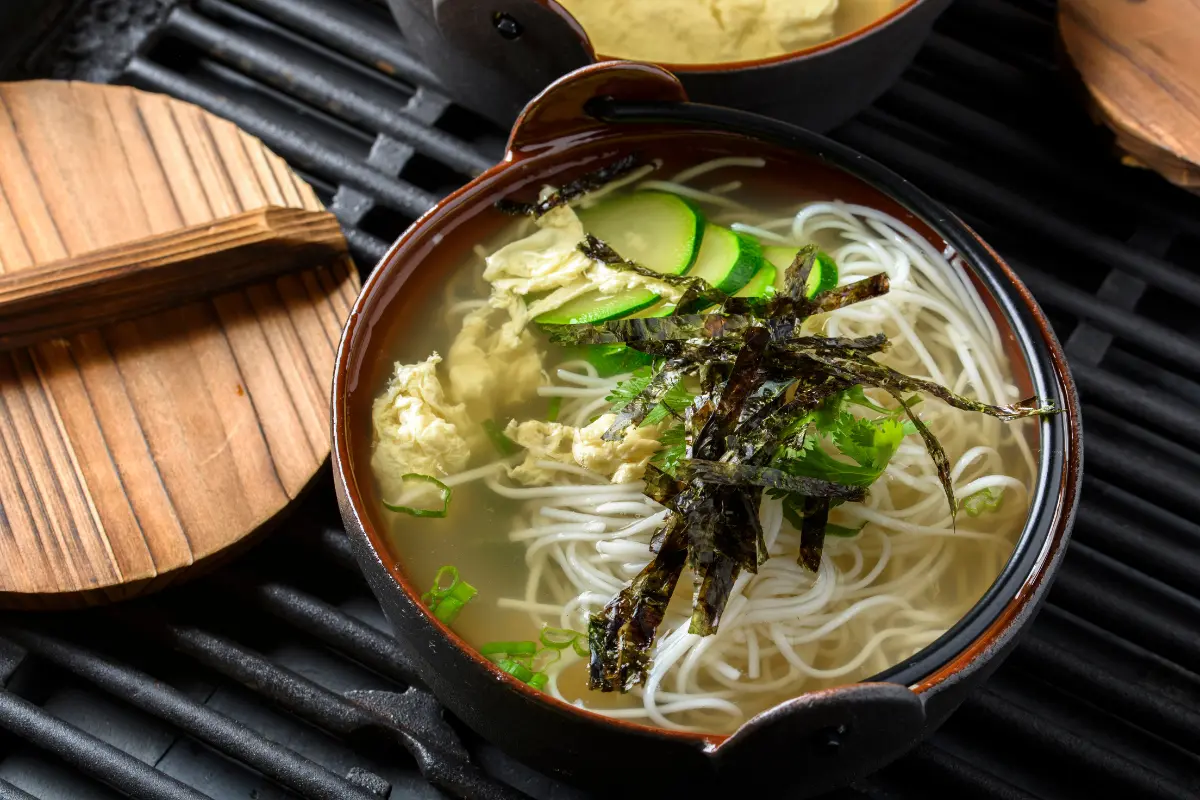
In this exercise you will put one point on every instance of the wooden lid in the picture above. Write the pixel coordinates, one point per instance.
(132, 452)
(1141, 64)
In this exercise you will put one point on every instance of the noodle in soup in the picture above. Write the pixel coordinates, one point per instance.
(547, 522)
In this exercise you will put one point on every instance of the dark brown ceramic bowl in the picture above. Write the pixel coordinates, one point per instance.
(470, 45)
(817, 740)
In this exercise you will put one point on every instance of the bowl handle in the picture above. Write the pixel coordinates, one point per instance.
(528, 42)
(831, 737)
(560, 114)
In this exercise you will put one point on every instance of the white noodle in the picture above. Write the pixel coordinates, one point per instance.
(878, 597)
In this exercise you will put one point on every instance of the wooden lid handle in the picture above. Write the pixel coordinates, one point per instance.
(163, 271)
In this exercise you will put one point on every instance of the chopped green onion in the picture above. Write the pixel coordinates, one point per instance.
(554, 409)
(446, 600)
(442, 488)
(559, 638)
(581, 648)
(546, 657)
(516, 669)
(504, 445)
(982, 501)
(539, 681)
(526, 648)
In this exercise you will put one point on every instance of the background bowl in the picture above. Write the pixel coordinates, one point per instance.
(818, 740)
(471, 46)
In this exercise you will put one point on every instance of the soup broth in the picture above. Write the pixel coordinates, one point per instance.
(549, 540)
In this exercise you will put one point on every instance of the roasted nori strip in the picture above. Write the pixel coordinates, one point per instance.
(588, 182)
(724, 473)
(842, 296)
(940, 461)
(795, 277)
(812, 532)
(599, 250)
(760, 385)
(621, 635)
(636, 410)
(660, 486)
(746, 373)
(871, 373)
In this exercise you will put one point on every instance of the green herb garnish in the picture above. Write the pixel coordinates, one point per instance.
(449, 595)
(443, 492)
(981, 502)
(671, 401)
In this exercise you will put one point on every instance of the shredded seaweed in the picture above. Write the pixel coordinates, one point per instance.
(621, 636)
(795, 277)
(772, 414)
(812, 532)
(726, 474)
(584, 184)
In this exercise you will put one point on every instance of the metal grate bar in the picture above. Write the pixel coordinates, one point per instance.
(1143, 610)
(349, 28)
(323, 85)
(270, 758)
(1100, 668)
(357, 639)
(990, 199)
(10, 792)
(915, 103)
(309, 153)
(89, 754)
(1133, 530)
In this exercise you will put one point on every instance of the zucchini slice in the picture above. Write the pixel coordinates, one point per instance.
(726, 259)
(657, 230)
(824, 275)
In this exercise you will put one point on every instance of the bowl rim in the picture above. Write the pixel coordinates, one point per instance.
(767, 61)
(1053, 502)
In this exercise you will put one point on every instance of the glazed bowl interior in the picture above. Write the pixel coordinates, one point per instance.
(409, 282)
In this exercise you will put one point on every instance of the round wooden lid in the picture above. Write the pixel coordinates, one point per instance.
(1140, 62)
(135, 451)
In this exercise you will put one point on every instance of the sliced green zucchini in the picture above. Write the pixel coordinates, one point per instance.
(597, 307)
(657, 230)
(762, 284)
(726, 259)
(663, 308)
(824, 275)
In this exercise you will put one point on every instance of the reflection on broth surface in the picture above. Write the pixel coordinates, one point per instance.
(551, 518)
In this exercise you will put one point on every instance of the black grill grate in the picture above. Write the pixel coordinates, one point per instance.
(276, 677)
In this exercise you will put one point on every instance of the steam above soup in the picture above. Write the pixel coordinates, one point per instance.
(685, 459)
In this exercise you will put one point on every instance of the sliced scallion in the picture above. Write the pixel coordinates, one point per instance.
(516, 669)
(449, 595)
(443, 491)
(559, 638)
(539, 681)
(525, 648)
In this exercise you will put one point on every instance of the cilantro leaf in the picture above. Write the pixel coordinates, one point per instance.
(674, 450)
(674, 403)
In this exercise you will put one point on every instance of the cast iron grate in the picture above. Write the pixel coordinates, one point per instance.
(276, 677)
